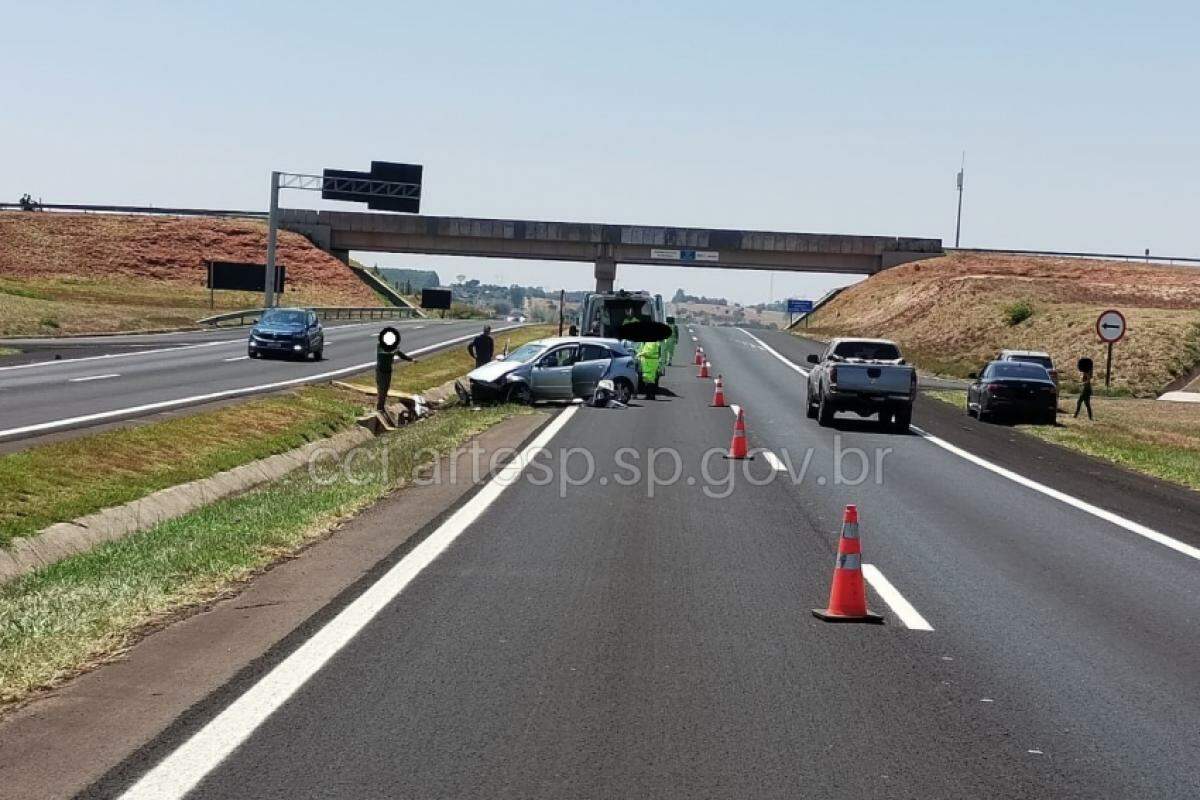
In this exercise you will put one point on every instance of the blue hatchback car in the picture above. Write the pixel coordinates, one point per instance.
(294, 332)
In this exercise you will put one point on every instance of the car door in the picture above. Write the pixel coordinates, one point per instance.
(316, 337)
(589, 369)
(551, 375)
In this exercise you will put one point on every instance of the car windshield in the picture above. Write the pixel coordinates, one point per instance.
(1041, 361)
(1017, 369)
(284, 317)
(525, 353)
(867, 351)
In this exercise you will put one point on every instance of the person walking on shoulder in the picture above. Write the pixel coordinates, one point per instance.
(1085, 395)
(482, 348)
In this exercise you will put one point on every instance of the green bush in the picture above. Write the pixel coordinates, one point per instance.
(1017, 312)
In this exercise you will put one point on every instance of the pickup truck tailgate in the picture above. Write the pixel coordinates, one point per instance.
(874, 379)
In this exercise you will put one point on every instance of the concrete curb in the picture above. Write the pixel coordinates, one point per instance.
(64, 539)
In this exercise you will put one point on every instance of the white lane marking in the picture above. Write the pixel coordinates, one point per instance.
(204, 398)
(235, 358)
(790, 364)
(1074, 502)
(182, 770)
(66, 342)
(1029, 483)
(121, 355)
(903, 609)
(773, 460)
(94, 378)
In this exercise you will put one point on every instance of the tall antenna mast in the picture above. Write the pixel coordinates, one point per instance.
(958, 220)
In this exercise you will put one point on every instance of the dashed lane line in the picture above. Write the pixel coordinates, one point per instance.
(903, 609)
(87, 378)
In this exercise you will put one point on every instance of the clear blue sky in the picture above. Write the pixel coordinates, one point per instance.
(1080, 120)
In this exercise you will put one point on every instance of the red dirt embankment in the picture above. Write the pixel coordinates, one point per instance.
(114, 247)
(954, 313)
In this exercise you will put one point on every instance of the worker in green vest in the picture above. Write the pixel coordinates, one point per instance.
(671, 342)
(650, 359)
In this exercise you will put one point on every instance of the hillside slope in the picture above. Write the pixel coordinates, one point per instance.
(952, 313)
(105, 272)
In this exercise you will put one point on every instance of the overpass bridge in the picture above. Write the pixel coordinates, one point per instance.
(604, 245)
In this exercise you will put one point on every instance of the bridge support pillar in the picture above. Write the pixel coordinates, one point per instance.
(606, 274)
(341, 255)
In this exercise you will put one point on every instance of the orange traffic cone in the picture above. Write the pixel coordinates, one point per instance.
(703, 370)
(719, 394)
(737, 447)
(848, 595)
(699, 356)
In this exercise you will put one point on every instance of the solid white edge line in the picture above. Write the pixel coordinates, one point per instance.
(87, 378)
(204, 398)
(1074, 502)
(903, 609)
(1081, 505)
(240, 358)
(787, 362)
(183, 769)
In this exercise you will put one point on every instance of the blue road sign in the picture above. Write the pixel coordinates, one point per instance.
(799, 306)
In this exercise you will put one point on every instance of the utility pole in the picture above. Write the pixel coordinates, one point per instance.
(272, 226)
(958, 220)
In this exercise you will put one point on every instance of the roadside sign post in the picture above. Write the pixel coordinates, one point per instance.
(804, 307)
(1110, 327)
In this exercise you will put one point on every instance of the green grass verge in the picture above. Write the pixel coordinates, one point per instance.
(1152, 437)
(62, 481)
(8, 351)
(85, 609)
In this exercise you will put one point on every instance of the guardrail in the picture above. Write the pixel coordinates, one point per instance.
(325, 313)
(153, 210)
(1184, 261)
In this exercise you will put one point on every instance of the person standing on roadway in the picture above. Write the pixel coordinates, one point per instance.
(482, 347)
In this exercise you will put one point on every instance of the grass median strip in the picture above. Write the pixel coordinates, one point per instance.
(85, 609)
(1148, 436)
(62, 481)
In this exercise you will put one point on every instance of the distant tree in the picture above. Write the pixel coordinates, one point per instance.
(679, 297)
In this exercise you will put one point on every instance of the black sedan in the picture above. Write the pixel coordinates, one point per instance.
(294, 332)
(1015, 391)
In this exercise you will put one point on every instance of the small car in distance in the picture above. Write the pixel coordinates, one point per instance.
(294, 332)
(558, 368)
(1014, 390)
(1031, 357)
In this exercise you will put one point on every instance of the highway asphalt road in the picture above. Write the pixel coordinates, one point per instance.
(563, 637)
(112, 378)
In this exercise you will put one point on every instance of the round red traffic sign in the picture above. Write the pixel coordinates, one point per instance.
(1110, 326)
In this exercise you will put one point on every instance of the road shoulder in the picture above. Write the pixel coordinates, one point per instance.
(107, 715)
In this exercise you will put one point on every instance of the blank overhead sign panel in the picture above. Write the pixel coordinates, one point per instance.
(389, 186)
(241, 276)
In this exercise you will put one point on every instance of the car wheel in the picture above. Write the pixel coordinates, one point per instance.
(970, 413)
(885, 419)
(983, 414)
(319, 354)
(824, 413)
(520, 394)
(810, 408)
(624, 390)
(253, 354)
(902, 418)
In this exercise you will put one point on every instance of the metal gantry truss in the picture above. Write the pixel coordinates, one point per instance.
(367, 188)
(363, 187)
